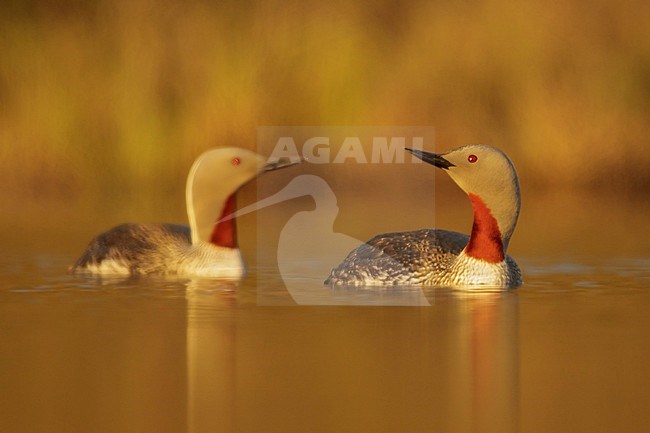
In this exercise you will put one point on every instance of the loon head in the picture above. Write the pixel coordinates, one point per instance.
(490, 180)
(214, 178)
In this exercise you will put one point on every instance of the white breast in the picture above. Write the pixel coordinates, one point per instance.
(468, 271)
(207, 260)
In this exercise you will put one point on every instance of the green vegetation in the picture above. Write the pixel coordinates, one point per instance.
(104, 96)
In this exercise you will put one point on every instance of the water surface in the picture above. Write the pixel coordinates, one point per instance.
(566, 352)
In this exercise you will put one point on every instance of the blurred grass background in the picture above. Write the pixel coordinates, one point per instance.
(103, 98)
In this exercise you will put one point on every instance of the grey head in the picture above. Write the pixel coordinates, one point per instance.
(215, 176)
(485, 172)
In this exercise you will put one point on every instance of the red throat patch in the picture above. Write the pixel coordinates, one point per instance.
(225, 232)
(485, 241)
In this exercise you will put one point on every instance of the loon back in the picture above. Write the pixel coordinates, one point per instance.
(157, 249)
(133, 249)
(399, 258)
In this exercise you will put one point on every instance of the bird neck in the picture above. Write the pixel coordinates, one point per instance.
(485, 242)
(204, 227)
(225, 232)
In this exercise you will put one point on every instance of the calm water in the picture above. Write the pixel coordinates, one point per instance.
(568, 351)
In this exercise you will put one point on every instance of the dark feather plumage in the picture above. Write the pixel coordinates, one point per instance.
(402, 257)
(133, 244)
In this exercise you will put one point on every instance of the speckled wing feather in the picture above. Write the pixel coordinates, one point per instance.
(399, 258)
(131, 245)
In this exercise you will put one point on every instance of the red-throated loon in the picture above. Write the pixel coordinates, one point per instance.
(202, 249)
(446, 258)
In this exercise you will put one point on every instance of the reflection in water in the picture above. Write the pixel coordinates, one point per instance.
(211, 357)
(468, 368)
(170, 356)
(491, 330)
(312, 291)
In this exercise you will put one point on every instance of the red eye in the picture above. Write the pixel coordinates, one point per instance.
(472, 158)
(235, 161)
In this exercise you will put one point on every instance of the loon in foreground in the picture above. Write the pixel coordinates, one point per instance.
(445, 258)
(205, 248)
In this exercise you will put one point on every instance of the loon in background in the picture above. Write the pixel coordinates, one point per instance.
(204, 248)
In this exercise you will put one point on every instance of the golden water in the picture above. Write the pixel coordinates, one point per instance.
(566, 352)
